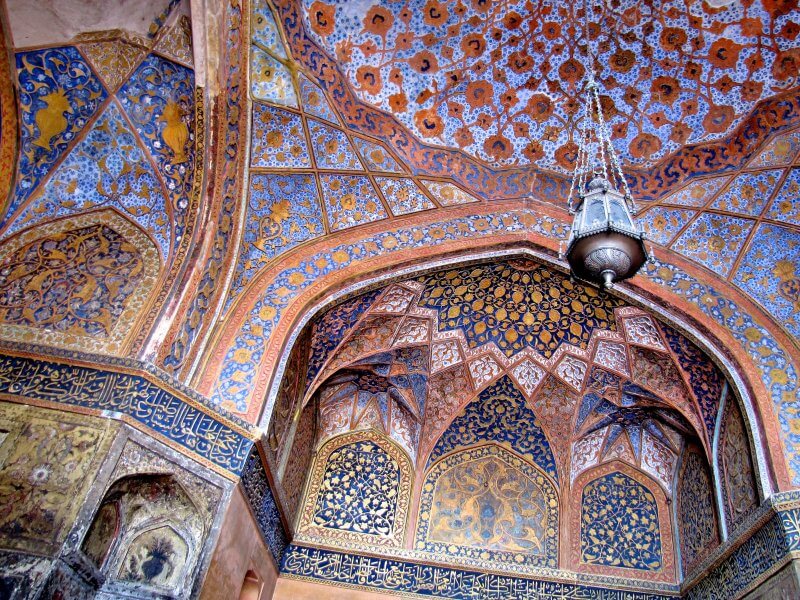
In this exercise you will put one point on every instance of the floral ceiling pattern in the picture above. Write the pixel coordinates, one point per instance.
(334, 179)
(502, 80)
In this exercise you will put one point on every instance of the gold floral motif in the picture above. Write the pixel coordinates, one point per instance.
(104, 264)
(485, 503)
(176, 132)
(489, 504)
(176, 43)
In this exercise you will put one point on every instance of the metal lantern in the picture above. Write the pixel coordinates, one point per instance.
(605, 245)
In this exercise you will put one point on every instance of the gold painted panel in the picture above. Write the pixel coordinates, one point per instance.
(485, 503)
(106, 266)
(49, 460)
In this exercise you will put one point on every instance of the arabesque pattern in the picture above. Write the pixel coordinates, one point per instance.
(106, 168)
(696, 516)
(359, 491)
(486, 504)
(499, 414)
(59, 93)
(78, 283)
(619, 524)
(517, 307)
(109, 127)
(77, 280)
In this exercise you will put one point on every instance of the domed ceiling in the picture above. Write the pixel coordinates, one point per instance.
(499, 416)
(502, 80)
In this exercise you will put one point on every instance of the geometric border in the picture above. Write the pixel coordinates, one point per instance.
(314, 533)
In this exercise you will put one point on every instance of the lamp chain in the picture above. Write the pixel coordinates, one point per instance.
(605, 152)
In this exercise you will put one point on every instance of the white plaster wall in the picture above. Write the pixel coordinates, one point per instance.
(42, 22)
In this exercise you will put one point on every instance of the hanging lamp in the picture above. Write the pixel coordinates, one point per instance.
(605, 245)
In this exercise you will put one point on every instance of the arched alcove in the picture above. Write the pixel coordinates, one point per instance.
(251, 586)
(358, 491)
(147, 531)
(621, 525)
(487, 504)
(576, 393)
(79, 282)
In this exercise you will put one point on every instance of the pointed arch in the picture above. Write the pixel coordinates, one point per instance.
(359, 490)
(485, 503)
(80, 282)
(621, 524)
(149, 530)
(739, 374)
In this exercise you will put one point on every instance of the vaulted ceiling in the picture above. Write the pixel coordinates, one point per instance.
(361, 135)
(702, 99)
(591, 368)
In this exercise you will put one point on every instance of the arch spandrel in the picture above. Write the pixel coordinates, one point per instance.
(277, 299)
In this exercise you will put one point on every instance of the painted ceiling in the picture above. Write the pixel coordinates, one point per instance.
(502, 81)
(506, 363)
(413, 360)
(333, 180)
(325, 180)
(311, 142)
